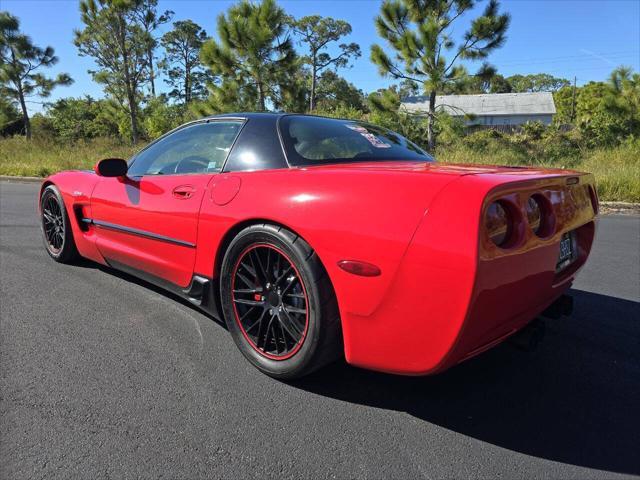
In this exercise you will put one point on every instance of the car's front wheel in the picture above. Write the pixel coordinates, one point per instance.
(278, 302)
(56, 227)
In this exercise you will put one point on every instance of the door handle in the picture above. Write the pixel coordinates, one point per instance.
(184, 191)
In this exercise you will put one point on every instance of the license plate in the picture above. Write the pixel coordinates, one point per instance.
(567, 251)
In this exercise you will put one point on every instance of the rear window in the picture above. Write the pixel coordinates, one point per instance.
(315, 140)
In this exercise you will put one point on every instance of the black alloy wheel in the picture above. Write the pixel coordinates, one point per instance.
(53, 224)
(278, 302)
(56, 228)
(270, 302)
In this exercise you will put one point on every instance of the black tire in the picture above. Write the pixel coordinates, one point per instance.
(56, 227)
(321, 342)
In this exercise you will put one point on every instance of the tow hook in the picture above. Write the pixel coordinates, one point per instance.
(529, 337)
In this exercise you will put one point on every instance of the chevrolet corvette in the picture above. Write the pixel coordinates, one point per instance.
(314, 238)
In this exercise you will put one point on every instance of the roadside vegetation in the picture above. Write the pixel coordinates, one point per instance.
(44, 156)
(264, 59)
(617, 169)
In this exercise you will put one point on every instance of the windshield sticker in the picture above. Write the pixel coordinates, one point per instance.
(373, 140)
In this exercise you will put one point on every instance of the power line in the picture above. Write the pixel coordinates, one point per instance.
(616, 52)
(577, 57)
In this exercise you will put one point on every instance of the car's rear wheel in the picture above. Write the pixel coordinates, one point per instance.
(56, 227)
(278, 302)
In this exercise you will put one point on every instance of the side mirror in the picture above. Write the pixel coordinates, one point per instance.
(111, 167)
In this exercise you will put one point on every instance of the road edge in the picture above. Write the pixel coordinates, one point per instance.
(16, 179)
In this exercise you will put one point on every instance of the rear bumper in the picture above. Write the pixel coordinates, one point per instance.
(512, 291)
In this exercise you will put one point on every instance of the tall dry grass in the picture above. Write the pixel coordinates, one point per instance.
(42, 157)
(617, 170)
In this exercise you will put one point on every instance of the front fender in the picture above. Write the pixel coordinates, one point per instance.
(76, 187)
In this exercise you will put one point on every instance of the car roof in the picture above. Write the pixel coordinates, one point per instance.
(274, 115)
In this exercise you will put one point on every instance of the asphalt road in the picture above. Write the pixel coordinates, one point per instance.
(103, 376)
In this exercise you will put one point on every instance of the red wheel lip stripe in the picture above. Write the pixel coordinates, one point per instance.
(237, 317)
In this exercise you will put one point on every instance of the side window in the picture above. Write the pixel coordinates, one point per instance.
(199, 148)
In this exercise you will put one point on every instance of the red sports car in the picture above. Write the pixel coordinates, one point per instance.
(314, 238)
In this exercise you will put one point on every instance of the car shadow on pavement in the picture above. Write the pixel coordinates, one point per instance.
(574, 400)
(148, 285)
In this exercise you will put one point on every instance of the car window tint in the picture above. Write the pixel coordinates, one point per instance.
(199, 148)
(312, 140)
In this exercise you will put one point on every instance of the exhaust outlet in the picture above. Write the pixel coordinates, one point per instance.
(529, 337)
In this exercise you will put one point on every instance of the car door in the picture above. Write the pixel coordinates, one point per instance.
(148, 220)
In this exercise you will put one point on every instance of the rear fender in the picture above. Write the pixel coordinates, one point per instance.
(348, 216)
(416, 325)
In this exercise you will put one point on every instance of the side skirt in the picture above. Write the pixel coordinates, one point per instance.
(200, 291)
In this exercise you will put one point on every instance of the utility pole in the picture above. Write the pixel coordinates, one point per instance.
(573, 101)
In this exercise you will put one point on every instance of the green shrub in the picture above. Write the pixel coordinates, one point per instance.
(74, 119)
(160, 117)
(340, 111)
(482, 140)
(533, 130)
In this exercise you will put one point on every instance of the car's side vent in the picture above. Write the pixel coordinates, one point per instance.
(83, 222)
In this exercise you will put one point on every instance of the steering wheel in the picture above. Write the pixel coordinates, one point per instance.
(192, 164)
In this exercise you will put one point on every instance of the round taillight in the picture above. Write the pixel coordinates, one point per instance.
(540, 215)
(499, 223)
(534, 214)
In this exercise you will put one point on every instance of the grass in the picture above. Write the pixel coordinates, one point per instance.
(617, 170)
(42, 157)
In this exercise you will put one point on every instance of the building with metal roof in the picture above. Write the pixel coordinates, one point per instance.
(490, 109)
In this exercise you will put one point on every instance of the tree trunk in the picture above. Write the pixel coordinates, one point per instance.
(130, 87)
(431, 135)
(152, 75)
(187, 80)
(23, 103)
(25, 113)
(312, 99)
(261, 101)
(133, 115)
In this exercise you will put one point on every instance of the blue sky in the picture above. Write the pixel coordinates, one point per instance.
(585, 38)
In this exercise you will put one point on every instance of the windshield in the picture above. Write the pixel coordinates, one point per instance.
(312, 140)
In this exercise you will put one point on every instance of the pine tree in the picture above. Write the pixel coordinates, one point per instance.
(19, 60)
(317, 33)
(114, 39)
(182, 64)
(419, 33)
(146, 14)
(254, 57)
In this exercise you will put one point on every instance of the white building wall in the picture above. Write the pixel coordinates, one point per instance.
(509, 119)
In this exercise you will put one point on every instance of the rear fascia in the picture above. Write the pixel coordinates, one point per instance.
(455, 294)
(514, 285)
